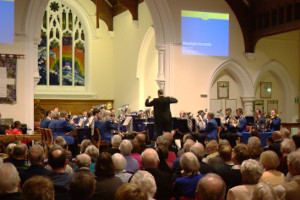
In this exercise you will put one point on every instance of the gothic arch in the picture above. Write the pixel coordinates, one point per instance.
(287, 87)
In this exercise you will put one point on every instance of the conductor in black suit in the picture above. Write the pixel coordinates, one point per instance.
(162, 113)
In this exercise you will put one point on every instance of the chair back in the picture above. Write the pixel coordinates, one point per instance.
(84, 133)
(44, 136)
(49, 136)
(248, 129)
(219, 128)
(96, 138)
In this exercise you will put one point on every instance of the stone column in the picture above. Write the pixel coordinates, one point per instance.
(248, 105)
(161, 68)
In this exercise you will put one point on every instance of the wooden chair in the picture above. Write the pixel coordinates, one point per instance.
(99, 143)
(219, 131)
(248, 129)
(49, 136)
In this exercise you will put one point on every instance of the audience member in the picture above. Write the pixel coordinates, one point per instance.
(187, 184)
(270, 161)
(251, 173)
(199, 151)
(60, 141)
(115, 142)
(19, 155)
(212, 149)
(131, 191)
(93, 152)
(225, 153)
(57, 159)
(146, 181)
(107, 183)
(255, 148)
(269, 142)
(9, 182)
(285, 133)
(38, 188)
(186, 138)
(120, 165)
(135, 153)
(132, 164)
(9, 150)
(36, 158)
(173, 146)
(255, 133)
(263, 191)
(83, 162)
(287, 146)
(84, 144)
(163, 153)
(163, 181)
(141, 140)
(217, 160)
(186, 148)
(82, 187)
(211, 187)
(275, 146)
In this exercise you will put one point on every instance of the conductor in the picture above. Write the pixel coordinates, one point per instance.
(162, 113)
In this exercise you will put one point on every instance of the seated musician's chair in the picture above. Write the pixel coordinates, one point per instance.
(98, 142)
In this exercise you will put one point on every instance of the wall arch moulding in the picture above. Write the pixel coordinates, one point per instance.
(241, 77)
(287, 87)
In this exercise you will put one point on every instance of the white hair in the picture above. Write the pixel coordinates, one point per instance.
(198, 150)
(288, 145)
(251, 171)
(262, 191)
(254, 142)
(189, 162)
(116, 140)
(294, 160)
(9, 180)
(83, 160)
(93, 152)
(119, 162)
(126, 147)
(187, 145)
(146, 181)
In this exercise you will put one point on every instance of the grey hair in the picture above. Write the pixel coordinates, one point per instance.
(36, 154)
(294, 160)
(223, 142)
(198, 150)
(93, 152)
(254, 142)
(83, 160)
(20, 150)
(163, 141)
(146, 181)
(288, 145)
(59, 140)
(269, 159)
(9, 148)
(9, 180)
(149, 157)
(263, 191)
(188, 144)
(189, 162)
(251, 170)
(119, 162)
(211, 114)
(126, 147)
(84, 144)
(116, 140)
(211, 187)
(285, 133)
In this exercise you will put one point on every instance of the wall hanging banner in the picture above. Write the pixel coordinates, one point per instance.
(8, 74)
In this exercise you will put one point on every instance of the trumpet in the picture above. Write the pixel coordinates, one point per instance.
(233, 121)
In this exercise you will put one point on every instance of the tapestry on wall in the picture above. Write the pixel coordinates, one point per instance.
(8, 74)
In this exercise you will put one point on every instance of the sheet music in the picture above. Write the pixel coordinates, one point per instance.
(127, 120)
(81, 120)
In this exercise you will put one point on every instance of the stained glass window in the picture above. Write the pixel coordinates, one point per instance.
(62, 47)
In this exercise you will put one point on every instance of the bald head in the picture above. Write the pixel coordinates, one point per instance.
(57, 158)
(211, 187)
(150, 158)
(83, 160)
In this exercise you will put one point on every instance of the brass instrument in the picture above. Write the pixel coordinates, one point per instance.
(233, 121)
(202, 124)
(190, 121)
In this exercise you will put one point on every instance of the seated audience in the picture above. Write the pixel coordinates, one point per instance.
(187, 184)
(217, 160)
(186, 137)
(57, 159)
(163, 181)
(296, 139)
(19, 155)
(285, 133)
(36, 158)
(263, 191)
(212, 150)
(269, 142)
(84, 144)
(270, 161)
(93, 152)
(9, 182)
(83, 162)
(141, 139)
(115, 142)
(68, 169)
(211, 187)
(38, 188)
(120, 165)
(186, 148)
(9, 150)
(275, 146)
(173, 146)
(163, 153)
(132, 164)
(251, 173)
(291, 190)
(199, 151)
(255, 148)
(255, 133)
(60, 141)
(131, 191)
(287, 146)
(225, 153)
(107, 183)
(135, 154)
(82, 187)
(146, 181)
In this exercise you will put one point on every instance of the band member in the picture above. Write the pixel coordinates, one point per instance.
(211, 129)
(201, 121)
(260, 121)
(182, 114)
(240, 123)
(105, 126)
(45, 122)
(275, 121)
(162, 113)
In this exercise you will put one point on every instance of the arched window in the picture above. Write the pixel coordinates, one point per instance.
(61, 51)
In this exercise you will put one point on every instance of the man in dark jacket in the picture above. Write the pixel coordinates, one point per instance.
(162, 113)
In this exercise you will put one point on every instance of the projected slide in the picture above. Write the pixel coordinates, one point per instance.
(204, 33)
(7, 21)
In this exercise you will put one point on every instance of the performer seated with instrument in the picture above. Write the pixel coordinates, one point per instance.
(260, 121)
(211, 129)
(238, 123)
(201, 121)
(46, 121)
(105, 126)
(182, 114)
(60, 126)
(275, 121)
